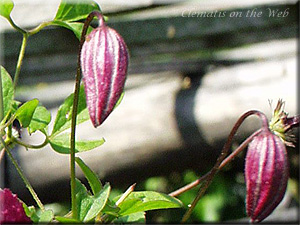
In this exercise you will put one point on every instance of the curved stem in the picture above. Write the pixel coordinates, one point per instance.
(12, 23)
(208, 178)
(20, 59)
(75, 109)
(39, 27)
(25, 180)
(223, 164)
(26, 145)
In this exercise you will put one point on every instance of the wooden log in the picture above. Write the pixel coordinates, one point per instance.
(157, 43)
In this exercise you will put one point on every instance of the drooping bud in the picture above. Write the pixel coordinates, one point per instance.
(104, 62)
(266, 174)
(11, 209)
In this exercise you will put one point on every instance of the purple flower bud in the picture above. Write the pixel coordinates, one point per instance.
(11, 209)
(104, 63)
(266, 174)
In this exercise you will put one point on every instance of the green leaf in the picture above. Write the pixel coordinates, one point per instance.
(147, 200)
(61, 144)
(25, 112)
(138, 217)
(40, 119)
(76, 27)
(62, 219)
(46, 216)
(111, 209)
(90, 206)
(92, 178)
(75, 10)
(38, 217)
(31, 212)
(6, 6)
(119, 100)
(64, 114)
(7, 90)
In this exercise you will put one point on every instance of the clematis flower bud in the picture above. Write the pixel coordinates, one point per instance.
(104, 62)
(11, 209)
(266, 174)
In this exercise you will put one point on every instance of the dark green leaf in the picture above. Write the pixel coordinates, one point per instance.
(92, 178)
(25, 112)
(7, 90)
(40, 119)
(6, 6)
(75, 10)
(111, 209)
(64, 113)
(147, 200)
(61, 144)
(90, 206)
(138, 217)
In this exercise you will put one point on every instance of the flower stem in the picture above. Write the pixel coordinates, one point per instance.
(209, 177)
(74, 113)
(1, 98)
(20, 59)
(25, 180)
(223, 164)
(26, 145)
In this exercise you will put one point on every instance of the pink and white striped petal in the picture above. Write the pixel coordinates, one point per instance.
(104, 64)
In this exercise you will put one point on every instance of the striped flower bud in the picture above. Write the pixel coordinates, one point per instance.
(104, 62)
(266, 174)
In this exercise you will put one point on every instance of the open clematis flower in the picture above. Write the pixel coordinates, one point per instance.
(104, 62)
(11, 208)
(267, 167)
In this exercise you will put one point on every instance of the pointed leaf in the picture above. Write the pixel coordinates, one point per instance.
(75, 10)
(40, 119)
(31, 212)
(64, 113)
(99, 201)
(147, 200)
(6, 6)
(25, 112)
(92, 178)
(7, 90)
(90, 206)
(61, 144)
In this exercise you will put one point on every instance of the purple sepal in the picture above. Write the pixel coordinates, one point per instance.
(104, 63)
